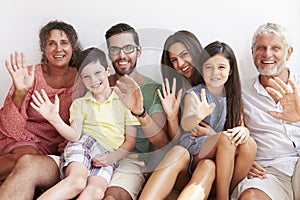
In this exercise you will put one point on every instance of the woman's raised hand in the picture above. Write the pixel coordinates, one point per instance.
(22, 76)
(169, 100)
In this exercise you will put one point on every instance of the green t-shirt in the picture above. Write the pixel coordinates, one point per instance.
(152, 104)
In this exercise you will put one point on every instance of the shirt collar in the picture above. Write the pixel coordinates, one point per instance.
(89, 96)
(261, 90)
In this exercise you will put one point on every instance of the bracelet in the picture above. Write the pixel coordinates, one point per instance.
(143, 114)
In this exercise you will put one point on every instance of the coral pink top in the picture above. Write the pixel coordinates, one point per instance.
(26, 127)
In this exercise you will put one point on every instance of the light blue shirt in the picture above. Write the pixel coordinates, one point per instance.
(216, 120)
(278, 142)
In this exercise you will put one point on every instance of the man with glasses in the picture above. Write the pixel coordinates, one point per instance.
(128, 50)
(139, 94)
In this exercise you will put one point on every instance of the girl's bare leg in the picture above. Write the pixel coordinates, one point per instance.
(219, 148)
(201, 182)
(225, 165)
(245, 156)
(162, 180)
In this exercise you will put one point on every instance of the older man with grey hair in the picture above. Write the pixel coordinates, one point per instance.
(277, 134)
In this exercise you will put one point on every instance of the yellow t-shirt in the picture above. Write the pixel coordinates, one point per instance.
(103, 121)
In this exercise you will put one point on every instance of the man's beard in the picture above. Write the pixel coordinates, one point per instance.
(274, 71)
(121, 73)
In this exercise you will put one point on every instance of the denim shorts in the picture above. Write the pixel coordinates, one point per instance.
(192, 145)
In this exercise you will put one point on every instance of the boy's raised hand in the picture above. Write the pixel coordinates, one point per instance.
(42, 104)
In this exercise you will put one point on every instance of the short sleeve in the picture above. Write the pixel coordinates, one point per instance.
(76, 110)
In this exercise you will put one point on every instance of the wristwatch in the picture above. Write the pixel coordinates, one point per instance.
(142, 115)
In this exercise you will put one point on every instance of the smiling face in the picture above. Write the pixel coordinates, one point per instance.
(123, 63)
(95, 78)
(181, 59)
(270, 54)
(58, 49)
(215, 73)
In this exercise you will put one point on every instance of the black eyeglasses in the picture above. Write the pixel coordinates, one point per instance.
(127, 49)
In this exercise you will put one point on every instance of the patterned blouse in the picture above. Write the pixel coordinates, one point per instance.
(26, 127)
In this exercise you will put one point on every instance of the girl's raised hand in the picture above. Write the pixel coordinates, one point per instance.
(22, 76)
(204, 109)
(42, 104)
(169, 100)
(195, 110)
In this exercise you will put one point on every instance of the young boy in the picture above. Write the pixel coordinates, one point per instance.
(100, 125)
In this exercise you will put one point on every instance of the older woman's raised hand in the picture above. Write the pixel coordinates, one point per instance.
(22, 76)
(169, 100)
(288, 97)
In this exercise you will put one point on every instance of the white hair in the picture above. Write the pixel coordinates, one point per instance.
(275, 29)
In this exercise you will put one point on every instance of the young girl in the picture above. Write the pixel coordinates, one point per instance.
(213, 120)
(101, 126)
(180, 59)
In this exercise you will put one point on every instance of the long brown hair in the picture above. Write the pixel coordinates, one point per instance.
(232, 86)
(194, 47)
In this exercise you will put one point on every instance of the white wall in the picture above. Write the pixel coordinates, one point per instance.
(231, 21)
